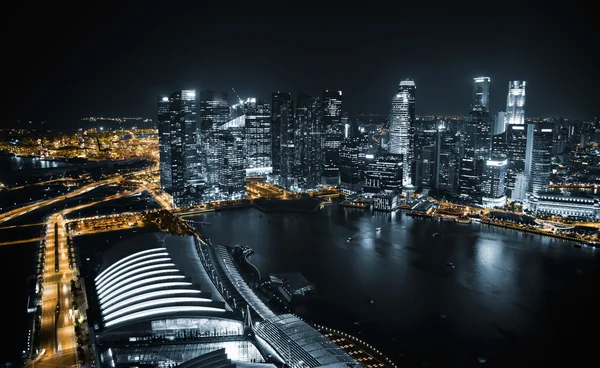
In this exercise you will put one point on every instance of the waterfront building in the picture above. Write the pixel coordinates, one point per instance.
(282, 137)
(178, 145)
(386, 201)
(352, 161)
(572, 205)
(427, 137)
(333, 136)
(383, 173)
(494, 188)
(161, 300)
(402, 125)
(539, 155)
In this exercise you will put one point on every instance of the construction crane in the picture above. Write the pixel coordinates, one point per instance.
(238, 96)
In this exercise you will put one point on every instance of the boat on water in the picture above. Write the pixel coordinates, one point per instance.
(437, 234)
(378, 229)
(450, 264)
(481, 360)
(371, 301)
(349, 240)
(443, 316)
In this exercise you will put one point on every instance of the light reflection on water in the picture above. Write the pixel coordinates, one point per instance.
(501, 286)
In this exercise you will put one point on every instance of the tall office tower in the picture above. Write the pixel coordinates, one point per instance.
(516, 147)
(402, 122)
(448, 161)
(258, 136)
(177, 127)
(499, 123)
(231, 173)
(213, 112)
(282, 137)
(516, 141)
(481, 92)
(477, 143)
(538, 159)
(309, 141)
(426, 150)
(515, 103)
(334, 133)
(353, 151)
(164, 143)
(383, 172)
(561, 137)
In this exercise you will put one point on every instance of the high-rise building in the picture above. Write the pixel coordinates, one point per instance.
(499, 123)
(352, 161)
(402, 123)
(516, 140)
(477, 142)
(481, 92)
(231, 172)
(178, 142)
(448, 161)
(334, 134)
(309, 141)
(213, 113)
(515, 103)
(538, 159)
(258, 135)
(282, 137)
(516, 147)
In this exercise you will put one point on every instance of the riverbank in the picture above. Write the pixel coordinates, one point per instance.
(535, 231)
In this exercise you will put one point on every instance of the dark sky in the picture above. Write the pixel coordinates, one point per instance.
(69, 61)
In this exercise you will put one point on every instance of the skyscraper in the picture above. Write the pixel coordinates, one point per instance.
(515, 103)
(477, 142)
(334, 134)
(178, 137)
(258, 135)
(516, 140)
(309, 141)
(539, 155)
(402, 122)
(282, 137)
(481, 92)
(213, 113)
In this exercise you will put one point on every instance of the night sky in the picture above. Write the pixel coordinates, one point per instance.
(70, 61)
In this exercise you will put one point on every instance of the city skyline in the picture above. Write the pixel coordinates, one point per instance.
(96, 73)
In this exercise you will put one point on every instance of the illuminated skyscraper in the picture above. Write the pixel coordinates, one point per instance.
(308, 141)
(538, 160)
(334, 134)
(282, 137)
(481, 92)
(515, 103)
(178, 144)
(516, 140)
(402, 123)
(213, 113)
(258, 135)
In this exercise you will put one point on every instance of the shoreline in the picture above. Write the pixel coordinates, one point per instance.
(531, 231)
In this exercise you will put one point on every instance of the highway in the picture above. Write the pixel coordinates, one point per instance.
(57, 334)
(34, 206)
(21, 241)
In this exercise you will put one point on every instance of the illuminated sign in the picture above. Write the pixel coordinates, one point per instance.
(546, 130)
(165, 99)
(369, 156)
(496, 163)
(518, 127)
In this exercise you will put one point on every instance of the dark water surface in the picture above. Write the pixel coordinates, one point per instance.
(512, 298)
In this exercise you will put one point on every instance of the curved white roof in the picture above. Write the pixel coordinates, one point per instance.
(146, 284)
